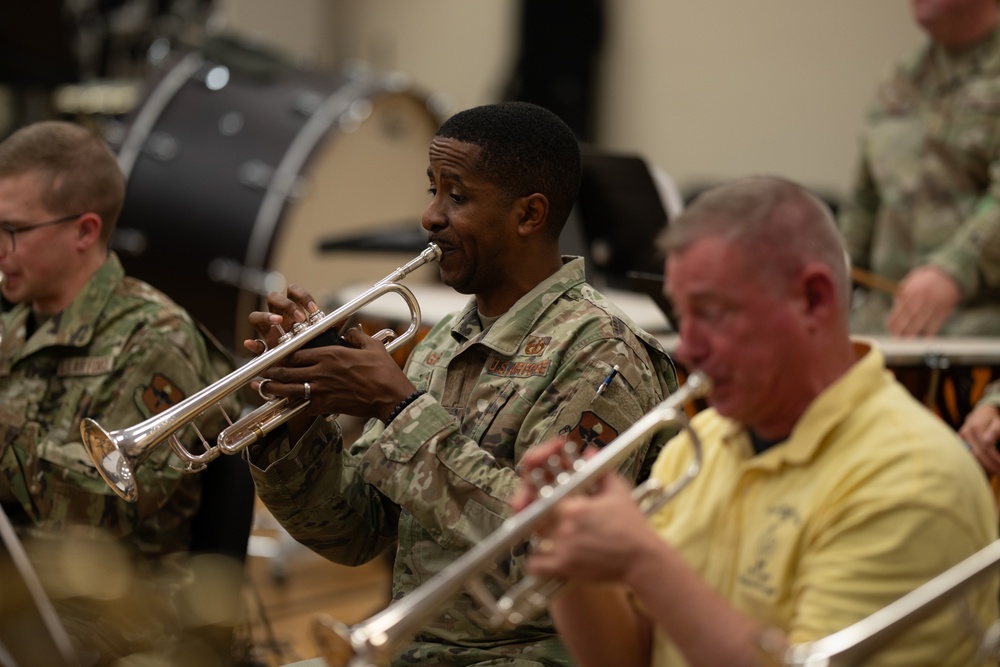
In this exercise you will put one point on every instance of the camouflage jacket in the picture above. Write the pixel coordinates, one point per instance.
(119, 353)
(928, 185)
(437, 479)
(991, 394)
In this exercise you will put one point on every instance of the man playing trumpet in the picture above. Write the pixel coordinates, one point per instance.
(435, 467)
(84, 340)
(826, 491)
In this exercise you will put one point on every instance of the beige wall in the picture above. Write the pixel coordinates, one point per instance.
(707, 89)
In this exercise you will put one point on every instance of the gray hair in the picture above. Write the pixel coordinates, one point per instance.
(778, 223)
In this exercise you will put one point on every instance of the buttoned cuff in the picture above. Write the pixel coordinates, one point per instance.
(279, 463)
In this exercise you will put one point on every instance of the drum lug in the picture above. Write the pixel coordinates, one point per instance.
(255, 174)
(161, 146)
(307, 102)
(258, 175)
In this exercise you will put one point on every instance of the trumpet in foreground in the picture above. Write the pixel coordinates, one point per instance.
(117, 454)
(856, 643)
(371, 643)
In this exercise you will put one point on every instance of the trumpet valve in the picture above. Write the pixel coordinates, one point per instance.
(296, 329)
(384, 336)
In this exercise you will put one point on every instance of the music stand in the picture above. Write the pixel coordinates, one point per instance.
(621, 214)
(30, 631)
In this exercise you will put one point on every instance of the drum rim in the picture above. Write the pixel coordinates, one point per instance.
(152, 109)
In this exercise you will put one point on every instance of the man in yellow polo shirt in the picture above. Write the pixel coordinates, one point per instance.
(826, 493)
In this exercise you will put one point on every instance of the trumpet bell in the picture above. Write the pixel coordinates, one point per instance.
(115, 467)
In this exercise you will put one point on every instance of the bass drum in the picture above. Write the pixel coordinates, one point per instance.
(237, 175)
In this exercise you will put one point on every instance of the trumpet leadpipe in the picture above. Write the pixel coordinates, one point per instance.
(531, 595)
(856, 643)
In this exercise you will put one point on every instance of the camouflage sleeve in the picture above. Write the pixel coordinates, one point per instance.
(857, 217)
(457, 489)
(314, 491)
(158, 367)
(991, 395)
(972, 256)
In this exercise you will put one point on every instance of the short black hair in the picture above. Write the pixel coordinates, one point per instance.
(525, 149)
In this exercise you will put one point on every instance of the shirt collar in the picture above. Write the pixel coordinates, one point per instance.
(835, 404)
(74, 327)
(508, 332)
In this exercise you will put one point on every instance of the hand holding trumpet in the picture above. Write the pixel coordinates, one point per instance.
(588, 536)
(357, 378)
(117, 454)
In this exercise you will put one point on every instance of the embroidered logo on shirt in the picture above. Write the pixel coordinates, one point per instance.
(535, 345)
(591, 430)
(759, 576)
(160, 394)
(432, 358)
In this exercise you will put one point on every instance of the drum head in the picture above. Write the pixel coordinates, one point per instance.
(236, 178)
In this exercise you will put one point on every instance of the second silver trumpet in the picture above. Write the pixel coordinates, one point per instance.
(371, 642)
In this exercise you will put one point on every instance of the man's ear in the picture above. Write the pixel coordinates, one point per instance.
(534, 214)
(88, 230)
(818, 290)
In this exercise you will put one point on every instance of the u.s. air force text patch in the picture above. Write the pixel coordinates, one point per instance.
(76, 366)
(519, 369)
(159, 394)
(591, 430)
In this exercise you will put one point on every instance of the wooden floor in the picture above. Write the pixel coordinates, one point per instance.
(292, 586)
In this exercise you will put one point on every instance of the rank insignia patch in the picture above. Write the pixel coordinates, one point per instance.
(535, 345)
(591, 430)
(160, 394)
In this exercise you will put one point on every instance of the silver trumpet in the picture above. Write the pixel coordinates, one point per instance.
(371, 643)
(117, 454)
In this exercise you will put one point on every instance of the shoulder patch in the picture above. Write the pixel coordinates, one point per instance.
(591, 430)
(159, 394)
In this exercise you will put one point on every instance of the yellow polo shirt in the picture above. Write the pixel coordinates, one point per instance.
(871, 496)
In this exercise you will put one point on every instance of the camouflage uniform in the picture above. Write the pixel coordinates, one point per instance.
(991, 395)
(437, 479)
(928, 186)
(119, 353)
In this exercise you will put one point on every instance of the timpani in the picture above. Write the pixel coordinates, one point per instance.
(948, 374)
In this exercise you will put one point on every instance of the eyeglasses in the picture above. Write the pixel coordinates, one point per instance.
(13, 231)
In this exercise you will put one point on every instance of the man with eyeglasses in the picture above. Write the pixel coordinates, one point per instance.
(83, 340)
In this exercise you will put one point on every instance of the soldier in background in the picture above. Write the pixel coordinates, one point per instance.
(924, 209)
(433, 471)
(84, 340)
(981, 429)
